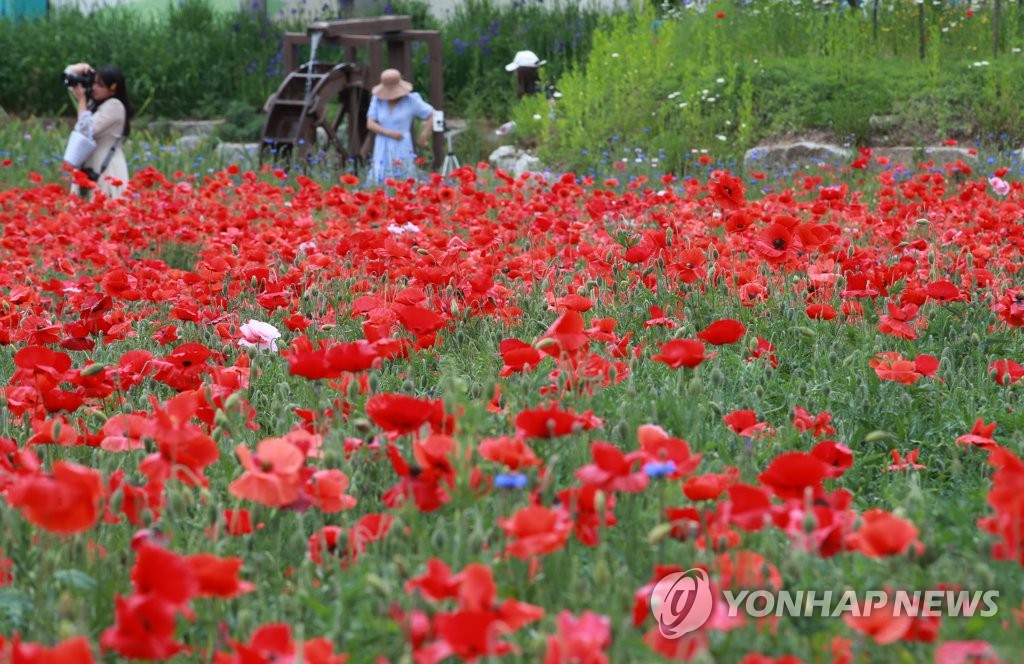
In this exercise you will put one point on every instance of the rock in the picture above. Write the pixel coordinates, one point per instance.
(189, 143)
(526, 163)
(883, 122)
(243, 154)
(801, 154)
(194, 127)
(504, 158)
(910, 157)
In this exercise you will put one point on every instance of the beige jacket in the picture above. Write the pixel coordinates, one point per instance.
(107, 126)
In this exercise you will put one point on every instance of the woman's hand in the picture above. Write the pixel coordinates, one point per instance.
(397, 135)
(424, 139)
(81, 68)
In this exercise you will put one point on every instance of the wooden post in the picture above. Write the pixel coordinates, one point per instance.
(434, 52)
(874, 23)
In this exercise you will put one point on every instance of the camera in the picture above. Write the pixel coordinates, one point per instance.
(72, 79)
(439, 125)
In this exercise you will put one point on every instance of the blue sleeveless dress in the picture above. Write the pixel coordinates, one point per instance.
(394, 158)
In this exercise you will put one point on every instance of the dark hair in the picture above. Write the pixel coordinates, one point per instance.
(113, 78)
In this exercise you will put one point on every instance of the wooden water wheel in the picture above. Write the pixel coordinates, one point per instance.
(318, 96)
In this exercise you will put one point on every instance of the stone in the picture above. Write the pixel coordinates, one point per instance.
(189, 143)
(910, 156)
(504, 157)
(195, 127)
(243, 154)
(526, 163)
(801, 154)
(883, 122)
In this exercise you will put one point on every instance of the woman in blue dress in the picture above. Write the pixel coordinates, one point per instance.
(390, 116)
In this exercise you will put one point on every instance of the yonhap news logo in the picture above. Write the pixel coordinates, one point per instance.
(683, 602)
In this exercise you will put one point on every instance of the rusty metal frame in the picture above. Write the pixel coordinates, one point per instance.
(387, 41)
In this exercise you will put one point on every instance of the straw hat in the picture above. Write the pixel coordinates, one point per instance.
(524, 59)
(391, 85)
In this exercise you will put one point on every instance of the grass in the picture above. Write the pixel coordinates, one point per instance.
(219, 242)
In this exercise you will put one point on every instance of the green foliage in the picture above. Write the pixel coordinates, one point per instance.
(660, 85)
(243, 123)
(482, 36)
(188, 63)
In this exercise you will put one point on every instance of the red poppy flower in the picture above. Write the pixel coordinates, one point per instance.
(657, 446)
(511, 452)
(722, 332)
(271, 475)
(218, 577)
(745, 424)
(65, 501)
(567, 335)
(892, 366)
(820, 311)
(687, 353)
(552, 422)
(579, 639)
(836, 456)
(590, 509)
(1006, 372)
(612, 469)
(727, 190)
(75, 650)
(518, 356)
(792, 474)
(143, 628)
(980, 435)
(883, 534)
(401, 414)
(535, 531)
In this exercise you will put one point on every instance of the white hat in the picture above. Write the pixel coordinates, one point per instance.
(524, 59)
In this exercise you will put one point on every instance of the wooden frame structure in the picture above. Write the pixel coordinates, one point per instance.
(386, 42)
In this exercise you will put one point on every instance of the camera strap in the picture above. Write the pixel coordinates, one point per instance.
(110, 155)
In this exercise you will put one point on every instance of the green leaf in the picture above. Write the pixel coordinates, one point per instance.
(76, 579)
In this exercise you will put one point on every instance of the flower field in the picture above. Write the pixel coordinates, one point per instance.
(254, 418)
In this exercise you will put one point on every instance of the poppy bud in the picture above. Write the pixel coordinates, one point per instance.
(602, 573)
(809, 522)
(658, 533)
(378, 584)
(234, 249)
(401, 567)
(621, 431)
(57, 426)
(439, 539)
(180, 501)
(92, 370)
(116, 499)
(716, 408)
(833, 359)
(374, 382)
(454, 309)
(408, 387)
(221, 419)
(759, 391)
(66, 607)
(717, 377)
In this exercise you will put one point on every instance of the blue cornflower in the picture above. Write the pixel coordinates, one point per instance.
(510, 481)
(659, 469)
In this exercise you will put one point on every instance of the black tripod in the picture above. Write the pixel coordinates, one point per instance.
(451, 161)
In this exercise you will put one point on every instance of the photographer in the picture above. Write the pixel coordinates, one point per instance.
(104, 112)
